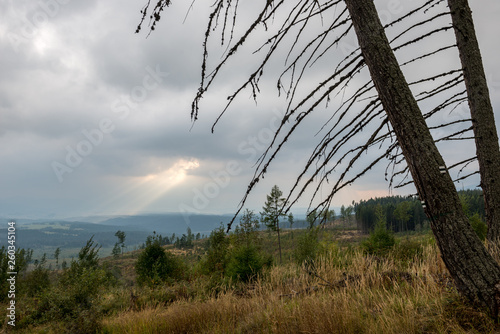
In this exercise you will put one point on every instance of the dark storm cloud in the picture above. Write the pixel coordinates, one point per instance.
(76, 80)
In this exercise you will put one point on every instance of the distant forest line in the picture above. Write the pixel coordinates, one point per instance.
(407, 214)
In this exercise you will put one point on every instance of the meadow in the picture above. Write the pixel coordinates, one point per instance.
(341, 289)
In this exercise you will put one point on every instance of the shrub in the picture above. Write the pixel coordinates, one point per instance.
(35, 281)
(74, 299)
(246, 263)
(216, 258)
(154, 265)
(308, 246)
(246, 232)
(380, 240)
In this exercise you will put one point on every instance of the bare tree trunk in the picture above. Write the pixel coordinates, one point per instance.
(483, 120)
(476, 274)
(279, 238)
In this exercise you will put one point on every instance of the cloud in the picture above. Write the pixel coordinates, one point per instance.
(77, 79)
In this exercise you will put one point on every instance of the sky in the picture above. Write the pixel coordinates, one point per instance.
(95, 119)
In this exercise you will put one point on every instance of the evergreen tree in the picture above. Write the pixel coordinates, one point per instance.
(155, 266)
(402, 215)
(189, 238)
(290, 222)
(272, 212)
(56, 256)
(116, 250)
(328, 216)
(381, 240)
(216, 258)
(245, 233)
(311, 219)
(121, 240)
(346, 213)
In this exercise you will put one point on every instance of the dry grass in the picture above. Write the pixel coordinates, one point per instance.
(363, 295)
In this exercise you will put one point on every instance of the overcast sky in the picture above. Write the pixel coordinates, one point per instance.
(95, 120)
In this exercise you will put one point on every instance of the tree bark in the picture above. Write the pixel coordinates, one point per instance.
(279, 239)
(475, 272)
(483, 119)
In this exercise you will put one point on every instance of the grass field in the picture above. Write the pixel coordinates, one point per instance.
(351, 293)
(342, 291)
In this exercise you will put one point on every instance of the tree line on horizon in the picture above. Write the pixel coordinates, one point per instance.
(405, 214)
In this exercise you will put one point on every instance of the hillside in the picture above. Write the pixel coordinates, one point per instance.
(45, 236)
(403, 289)
(170, 223)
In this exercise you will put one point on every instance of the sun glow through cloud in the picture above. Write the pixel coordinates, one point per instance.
(143, 191)
(172, 176)
(44, 40)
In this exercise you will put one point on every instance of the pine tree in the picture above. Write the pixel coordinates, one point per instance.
(121, 240)
(272, 212)
(116, 250)
(56, 256)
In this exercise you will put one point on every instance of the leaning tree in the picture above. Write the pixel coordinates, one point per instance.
(370, 93)
(481, 110)
(474, 271)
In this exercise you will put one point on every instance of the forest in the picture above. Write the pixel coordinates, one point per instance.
(407, 214)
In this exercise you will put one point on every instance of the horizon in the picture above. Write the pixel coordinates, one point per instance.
(300, 212)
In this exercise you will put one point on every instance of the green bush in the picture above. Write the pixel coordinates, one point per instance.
(216, 258)
(246, 263)
(246, 232)
(380, 240)
(35, 281)
(308, 246)
(155, 266)
(74, 301)
(238, 257)
(75, 298)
